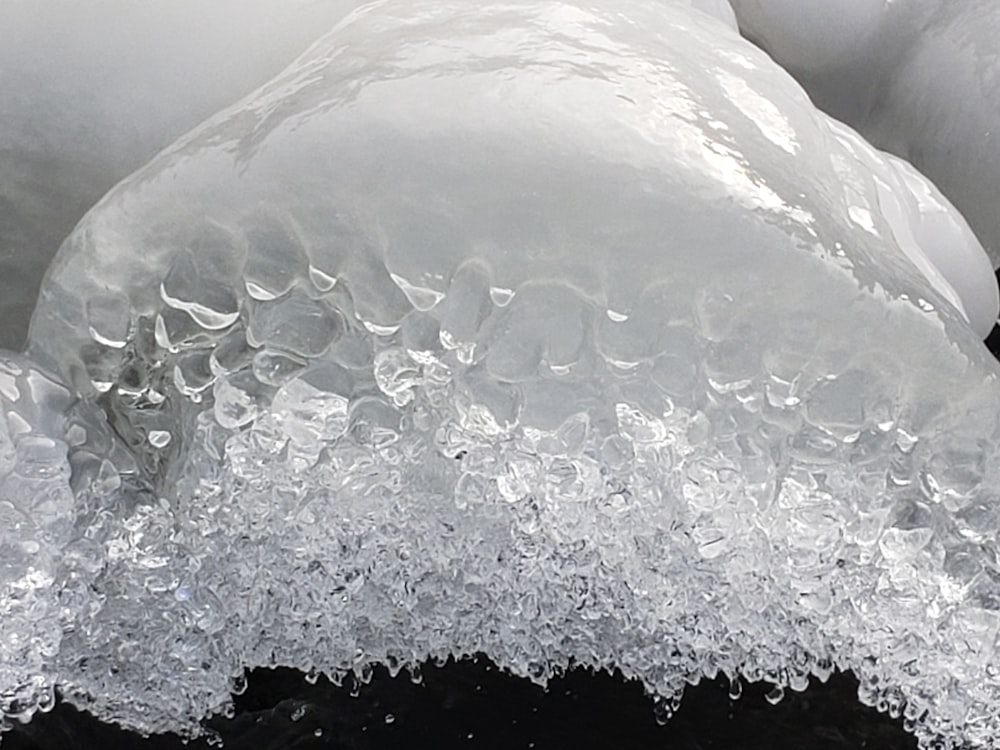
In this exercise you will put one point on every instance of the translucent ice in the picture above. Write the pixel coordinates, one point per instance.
(546, 330)
(931, 233)
(90, 91)
(62, 475)
(919, 78)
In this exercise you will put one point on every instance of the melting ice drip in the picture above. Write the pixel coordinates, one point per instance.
(544, 330)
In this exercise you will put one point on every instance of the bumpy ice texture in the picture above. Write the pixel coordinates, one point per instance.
(547, 330)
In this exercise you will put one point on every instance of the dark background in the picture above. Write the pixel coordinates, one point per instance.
(472, 704)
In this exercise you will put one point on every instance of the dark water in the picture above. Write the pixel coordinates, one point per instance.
(473, 705)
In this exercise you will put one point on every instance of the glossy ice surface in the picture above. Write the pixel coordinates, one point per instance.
(91, 91)
(919, 78)
(567, 332)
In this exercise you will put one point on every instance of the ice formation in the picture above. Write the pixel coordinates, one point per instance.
(567, 332)
(919, 78)
(91, 91)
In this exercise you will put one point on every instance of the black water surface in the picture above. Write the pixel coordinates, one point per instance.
(475, 706)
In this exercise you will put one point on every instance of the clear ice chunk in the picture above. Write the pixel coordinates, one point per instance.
(686, 406)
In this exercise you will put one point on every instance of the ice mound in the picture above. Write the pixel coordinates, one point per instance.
(566, 334)
(918, 78)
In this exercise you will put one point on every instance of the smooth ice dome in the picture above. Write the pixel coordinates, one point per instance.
(571, 333)
(929, 231)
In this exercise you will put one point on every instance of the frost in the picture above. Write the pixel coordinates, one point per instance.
(505, 328)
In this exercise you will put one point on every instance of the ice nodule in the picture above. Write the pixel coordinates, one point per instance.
(586, 341)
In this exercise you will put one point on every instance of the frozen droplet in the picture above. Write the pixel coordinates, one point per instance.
(230, 353)
(903, 544)
(258, 292)
(323, 282)
(108, 319)
(76, 435)
(234, 401)
(466, 304)
(8, 386)
(276, 368)
(294, 323)
(397, 375)
(175, 330)
(735, 688)
(193, 373)
(501, 296)
(379, 329)
(159, 438)
(663, 711)
(275, 256)
(775, 695)
(615, 316)
(638, 426)
(422, 298)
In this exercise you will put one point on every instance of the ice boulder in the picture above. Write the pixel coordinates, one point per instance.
(566, 332)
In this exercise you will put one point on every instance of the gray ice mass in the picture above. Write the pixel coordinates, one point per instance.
(569, 332)
(918, 78)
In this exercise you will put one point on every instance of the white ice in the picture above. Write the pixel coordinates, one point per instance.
(920, 79)
(567, 332)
